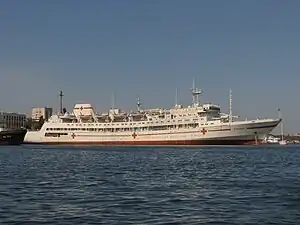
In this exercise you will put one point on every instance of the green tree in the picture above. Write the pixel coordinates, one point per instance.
(37, 125)
(28, 124)
(40, 123)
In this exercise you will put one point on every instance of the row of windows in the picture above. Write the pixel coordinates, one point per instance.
(122, 124)
(165, 127)
(93, 129)
(16, 118)
(12, 124)
(55, 134)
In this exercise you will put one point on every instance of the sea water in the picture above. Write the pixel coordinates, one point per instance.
(134, 185)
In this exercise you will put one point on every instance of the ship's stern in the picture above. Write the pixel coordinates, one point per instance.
(32, 137)
(13, 137)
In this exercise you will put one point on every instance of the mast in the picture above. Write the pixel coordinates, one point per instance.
(138, 104)
(281, 124)
(1, 120)
(230, 106)
(61, 95)
(195, 93)
(281, 130)
(176, 98)
(113, 100)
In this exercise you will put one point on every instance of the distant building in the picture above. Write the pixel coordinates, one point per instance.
(44, 112)
(12, 120)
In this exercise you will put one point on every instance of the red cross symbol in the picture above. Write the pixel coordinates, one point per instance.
(134, 135)
(203, 131)
(73, 135)
(81, 108)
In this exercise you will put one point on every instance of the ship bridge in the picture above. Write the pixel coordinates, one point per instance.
(211, 107)
(83, 110)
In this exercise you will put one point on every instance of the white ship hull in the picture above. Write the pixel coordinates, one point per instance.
(235, 133)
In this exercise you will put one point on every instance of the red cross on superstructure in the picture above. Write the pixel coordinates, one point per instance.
(73, 135)
(134, 135)
(203, 131)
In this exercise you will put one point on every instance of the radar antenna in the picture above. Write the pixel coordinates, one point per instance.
(195, 93)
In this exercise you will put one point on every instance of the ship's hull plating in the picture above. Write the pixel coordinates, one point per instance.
(216, 142)
(238, 133)
(12, 137)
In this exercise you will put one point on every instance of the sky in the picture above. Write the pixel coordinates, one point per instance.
(91, 49)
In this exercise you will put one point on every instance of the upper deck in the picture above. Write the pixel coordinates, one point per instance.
(195, 113)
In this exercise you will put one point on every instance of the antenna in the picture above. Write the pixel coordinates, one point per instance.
(195, 93)
(176, 97)
(138, 104)
(2, 120)
(61, 95)
(230, 106)
(113, 100)
(279, 114)
(281, 124)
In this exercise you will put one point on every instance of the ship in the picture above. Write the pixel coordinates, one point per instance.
(194, 124)
(270, 139)
(12, 136)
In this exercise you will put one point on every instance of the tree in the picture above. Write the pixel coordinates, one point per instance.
(35, 125)
(29, 123)
(40, 123)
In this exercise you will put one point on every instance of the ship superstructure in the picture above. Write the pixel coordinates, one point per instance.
(197, 124)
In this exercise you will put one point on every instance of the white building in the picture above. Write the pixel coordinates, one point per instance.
(12, 120)
(44, 112)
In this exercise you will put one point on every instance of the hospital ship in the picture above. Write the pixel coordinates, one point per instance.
(195, 124)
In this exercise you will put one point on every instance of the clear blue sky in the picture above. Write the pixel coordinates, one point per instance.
(148, 48)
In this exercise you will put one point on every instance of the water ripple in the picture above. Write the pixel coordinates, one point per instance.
(149, 186)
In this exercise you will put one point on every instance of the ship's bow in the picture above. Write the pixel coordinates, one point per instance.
(258, 130)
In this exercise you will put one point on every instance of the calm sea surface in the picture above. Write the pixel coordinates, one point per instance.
(54, 185)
